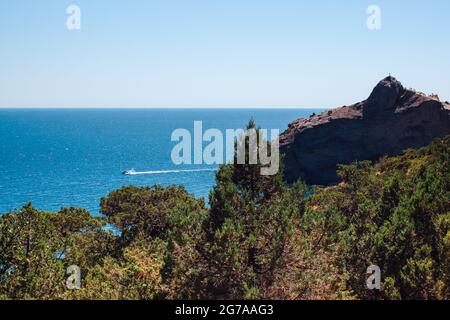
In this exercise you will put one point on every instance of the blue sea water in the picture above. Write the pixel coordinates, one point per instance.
(73, 157)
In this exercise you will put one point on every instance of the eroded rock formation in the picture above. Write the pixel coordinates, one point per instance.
(391, 120)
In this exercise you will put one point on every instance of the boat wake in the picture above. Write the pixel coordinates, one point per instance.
(134, 173)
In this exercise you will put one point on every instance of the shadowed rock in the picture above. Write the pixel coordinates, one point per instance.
(391, 120)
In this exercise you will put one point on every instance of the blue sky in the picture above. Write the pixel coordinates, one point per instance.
(208, 53)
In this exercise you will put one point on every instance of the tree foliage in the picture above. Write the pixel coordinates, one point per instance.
(395, 215)
(258, 239)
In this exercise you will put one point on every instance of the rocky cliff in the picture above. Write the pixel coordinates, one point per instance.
(391, 120)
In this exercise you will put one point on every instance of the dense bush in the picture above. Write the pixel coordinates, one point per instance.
(260, 238)
(396, 215)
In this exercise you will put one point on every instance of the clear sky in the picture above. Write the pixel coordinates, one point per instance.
(201, 53)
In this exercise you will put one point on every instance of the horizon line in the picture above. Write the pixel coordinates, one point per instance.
(160, 107)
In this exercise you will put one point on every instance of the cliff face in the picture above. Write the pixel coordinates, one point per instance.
(391, 120)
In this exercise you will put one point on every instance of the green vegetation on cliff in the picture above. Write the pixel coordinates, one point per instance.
(259, 239)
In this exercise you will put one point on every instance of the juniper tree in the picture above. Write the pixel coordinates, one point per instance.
(250, 221)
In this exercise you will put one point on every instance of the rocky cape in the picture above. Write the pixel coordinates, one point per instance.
(391, 120)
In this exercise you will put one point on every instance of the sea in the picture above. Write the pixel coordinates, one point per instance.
(73, 157)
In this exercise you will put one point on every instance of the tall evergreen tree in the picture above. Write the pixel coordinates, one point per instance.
(247, 228)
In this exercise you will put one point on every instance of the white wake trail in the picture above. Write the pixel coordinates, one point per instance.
(169, 171)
